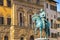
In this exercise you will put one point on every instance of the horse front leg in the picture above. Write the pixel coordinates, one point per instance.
(48, 33)
(40, 32)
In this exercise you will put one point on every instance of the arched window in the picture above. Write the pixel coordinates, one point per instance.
(21, 19)
(32, 37)
(6, 38)
(30, 18)
(21, 38)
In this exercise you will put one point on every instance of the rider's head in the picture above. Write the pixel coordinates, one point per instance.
(41, 10)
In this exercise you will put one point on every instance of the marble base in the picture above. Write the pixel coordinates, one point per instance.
(41, 39)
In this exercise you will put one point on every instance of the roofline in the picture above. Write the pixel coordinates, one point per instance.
(52, 1)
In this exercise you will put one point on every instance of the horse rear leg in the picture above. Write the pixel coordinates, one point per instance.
(40, 32)
(35, 30)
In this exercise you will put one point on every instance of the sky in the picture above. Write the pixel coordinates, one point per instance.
(58, 5)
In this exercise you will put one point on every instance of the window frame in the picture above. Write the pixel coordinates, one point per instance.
(19, 19)
(52, 7)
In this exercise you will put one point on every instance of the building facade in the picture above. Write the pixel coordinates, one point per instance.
(5, 19)
(58, 26)
(16, 19)
(51, 15)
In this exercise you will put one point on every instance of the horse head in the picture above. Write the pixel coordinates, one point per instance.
(34, 17)
(37, 20)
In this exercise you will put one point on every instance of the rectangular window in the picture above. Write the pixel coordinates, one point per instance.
(9, 3)
(1, 20)
(55, 16)
(52, 35)
(58, 25)
(46, 5)
(29, 0)
(9, 21)
(1, 2)
(47, 19)
(52, 7)
(51, 23)
(55, 25)
(50, 0)
(37, 1)
(55, 35)
(59, 34)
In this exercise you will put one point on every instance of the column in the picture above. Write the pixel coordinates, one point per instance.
(12, 22)
(25, 16)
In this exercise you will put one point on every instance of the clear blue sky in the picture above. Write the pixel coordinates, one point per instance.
(58, 5)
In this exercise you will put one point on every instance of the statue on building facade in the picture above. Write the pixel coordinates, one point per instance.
(41, 23)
